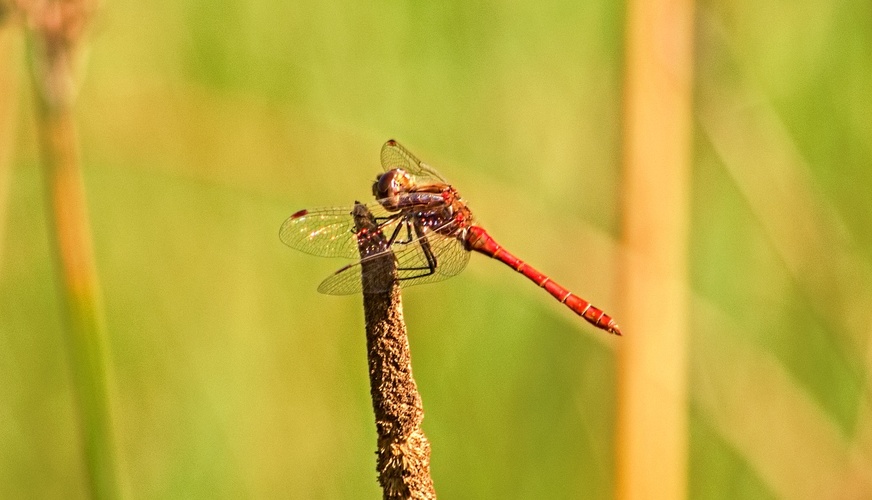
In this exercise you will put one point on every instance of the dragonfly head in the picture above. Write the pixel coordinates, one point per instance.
(391, 184)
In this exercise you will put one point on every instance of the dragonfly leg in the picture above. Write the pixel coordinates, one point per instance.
(409, 238)
(381, 222)
(421, 240)
(425, 246)
(394, 235)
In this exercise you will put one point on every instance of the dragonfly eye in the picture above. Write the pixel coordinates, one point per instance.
(381, 187)
(391, 183)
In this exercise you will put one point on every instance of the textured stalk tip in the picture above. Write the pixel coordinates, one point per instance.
(403, 450)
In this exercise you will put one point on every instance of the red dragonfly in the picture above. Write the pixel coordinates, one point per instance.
(427, 227)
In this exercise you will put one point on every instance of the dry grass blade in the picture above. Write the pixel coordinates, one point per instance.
(826, 465)
(403, 450)
(767, 167)
(810, 237)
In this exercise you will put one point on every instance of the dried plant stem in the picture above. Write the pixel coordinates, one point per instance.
(652, 413)
(403, 450)
(54, 37)
(8, 109)
(86, 342)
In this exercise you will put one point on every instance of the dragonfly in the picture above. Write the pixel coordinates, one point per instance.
(423, 225)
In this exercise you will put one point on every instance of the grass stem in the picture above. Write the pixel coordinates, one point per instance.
(54, 37)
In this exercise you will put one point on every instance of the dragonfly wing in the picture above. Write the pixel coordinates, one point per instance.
(413, 266)
(394, 155)
(348, 279)
(412, 261)
(328, 232)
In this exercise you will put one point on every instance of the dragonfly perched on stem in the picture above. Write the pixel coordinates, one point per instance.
(421, 220)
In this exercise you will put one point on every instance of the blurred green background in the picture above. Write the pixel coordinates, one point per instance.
(204, 125)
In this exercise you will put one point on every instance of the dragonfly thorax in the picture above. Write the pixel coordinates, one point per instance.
(397, 189)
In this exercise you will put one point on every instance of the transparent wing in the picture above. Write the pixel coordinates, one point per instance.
(394, 155)
(451, 259)
(413, 264)
(329, 232)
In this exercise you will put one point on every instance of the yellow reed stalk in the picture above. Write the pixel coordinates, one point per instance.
(652, 361)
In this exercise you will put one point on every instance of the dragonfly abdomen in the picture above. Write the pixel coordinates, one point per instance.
(477, 239)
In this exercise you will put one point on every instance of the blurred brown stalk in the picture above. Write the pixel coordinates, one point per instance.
(8, 109)
(652, 413)
(55, 32)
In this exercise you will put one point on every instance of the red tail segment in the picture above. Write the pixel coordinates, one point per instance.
(477, 239)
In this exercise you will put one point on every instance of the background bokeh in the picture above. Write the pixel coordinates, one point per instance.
(203, 125)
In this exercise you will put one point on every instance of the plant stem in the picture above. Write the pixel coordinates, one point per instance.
(652, 368)
(9, 83)
(55, 30)
(403, 450)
